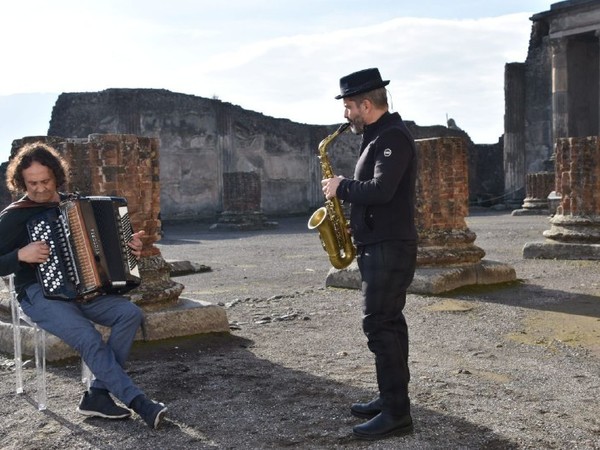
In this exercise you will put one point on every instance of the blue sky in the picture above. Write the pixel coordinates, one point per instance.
(281, 58)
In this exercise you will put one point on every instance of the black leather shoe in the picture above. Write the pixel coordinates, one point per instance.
(366, 410)
(384, 425)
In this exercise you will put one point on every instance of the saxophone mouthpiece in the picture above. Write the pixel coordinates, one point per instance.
(343, 127)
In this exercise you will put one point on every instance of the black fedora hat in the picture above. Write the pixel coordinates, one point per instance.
(361, 81)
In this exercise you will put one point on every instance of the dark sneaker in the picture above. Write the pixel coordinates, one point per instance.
(100, 404)
(152, 412)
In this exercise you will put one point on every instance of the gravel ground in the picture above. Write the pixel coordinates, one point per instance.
(512, 366)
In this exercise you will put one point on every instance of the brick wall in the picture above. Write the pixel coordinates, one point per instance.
(122, 165)
(539, 185)
(443, 204)
(578, 176)
(241, 192)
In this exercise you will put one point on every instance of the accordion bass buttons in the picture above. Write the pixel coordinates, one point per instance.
(51, 275)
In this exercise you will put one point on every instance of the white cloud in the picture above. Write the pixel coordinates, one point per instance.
(436, 66)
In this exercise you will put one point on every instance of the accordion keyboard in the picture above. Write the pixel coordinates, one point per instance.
(126, 233)
(57, 271)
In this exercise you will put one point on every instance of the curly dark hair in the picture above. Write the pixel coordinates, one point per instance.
(39, 152)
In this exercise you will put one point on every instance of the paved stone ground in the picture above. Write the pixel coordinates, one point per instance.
(513, 366)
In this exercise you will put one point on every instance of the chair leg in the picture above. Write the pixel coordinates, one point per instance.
(86, 375)
(16, 322)
(40, 367)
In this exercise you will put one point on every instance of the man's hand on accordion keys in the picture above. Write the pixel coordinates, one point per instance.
(136, 243)
(35, 252)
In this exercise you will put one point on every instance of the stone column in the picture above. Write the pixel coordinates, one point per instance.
(560, 88)
(443, 204)
(597, 34)
(538, 187)
(514, 132)
(577, 217)
(575, 228)
(126, 165)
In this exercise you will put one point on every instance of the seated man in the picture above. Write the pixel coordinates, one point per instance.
(38, 171)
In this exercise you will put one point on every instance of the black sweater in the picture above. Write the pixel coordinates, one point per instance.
(382, 192)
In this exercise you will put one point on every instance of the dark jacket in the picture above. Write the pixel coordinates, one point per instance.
(382, 192)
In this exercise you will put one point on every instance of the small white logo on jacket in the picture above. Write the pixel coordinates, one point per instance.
(387, 152)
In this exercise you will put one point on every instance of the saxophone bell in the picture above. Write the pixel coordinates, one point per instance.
(329, 237)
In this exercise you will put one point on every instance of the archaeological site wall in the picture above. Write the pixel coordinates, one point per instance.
(555, 93)
(206, 144)
(200, 141)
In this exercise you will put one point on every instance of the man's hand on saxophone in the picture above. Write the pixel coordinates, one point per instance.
(330, 186)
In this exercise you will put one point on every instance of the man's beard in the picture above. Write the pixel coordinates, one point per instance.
(357, 126)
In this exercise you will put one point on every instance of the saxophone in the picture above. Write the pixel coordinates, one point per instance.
(329, 220)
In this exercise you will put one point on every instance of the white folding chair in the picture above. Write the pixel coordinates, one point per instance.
(39, 343)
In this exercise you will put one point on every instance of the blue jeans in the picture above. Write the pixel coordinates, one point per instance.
(387, 269)
(72, 322)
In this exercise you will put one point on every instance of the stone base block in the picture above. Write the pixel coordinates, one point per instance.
(348, 278)
(180, 268)
(561, 250)
(434, 280)
(244, 226)
(240, 221)
(530, 212)
(188, 318)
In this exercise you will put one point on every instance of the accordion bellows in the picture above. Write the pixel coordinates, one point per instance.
(89, 254)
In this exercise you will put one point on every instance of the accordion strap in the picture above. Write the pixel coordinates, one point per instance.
(27, 203)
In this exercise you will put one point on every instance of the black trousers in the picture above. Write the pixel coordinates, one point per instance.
(387, 269)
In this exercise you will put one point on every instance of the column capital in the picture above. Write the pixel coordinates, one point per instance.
(559, 45)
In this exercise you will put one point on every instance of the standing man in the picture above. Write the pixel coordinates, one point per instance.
(38, 171)
(382, 195)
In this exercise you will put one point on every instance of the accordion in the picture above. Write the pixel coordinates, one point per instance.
(89, 255)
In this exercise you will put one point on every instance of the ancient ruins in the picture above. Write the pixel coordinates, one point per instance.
(552, 125)
(203, 141)
(198, 159)
(554, 93)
